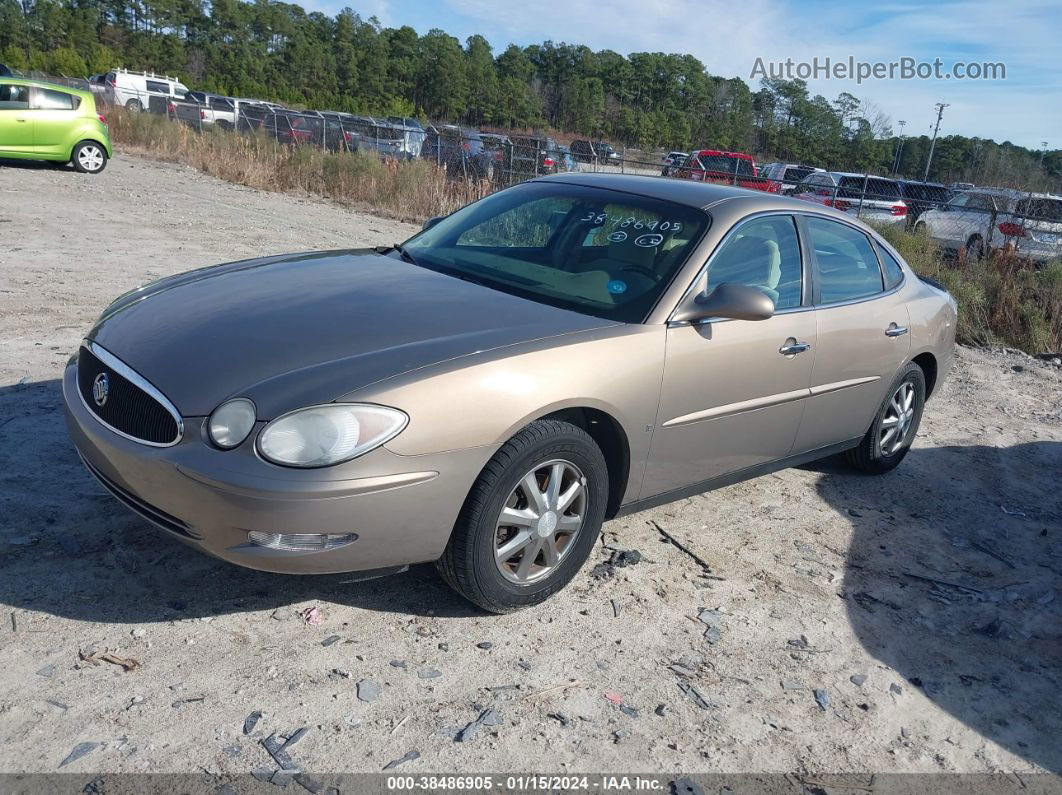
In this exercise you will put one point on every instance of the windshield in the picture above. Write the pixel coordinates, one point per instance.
(885, 189)
(600, 252)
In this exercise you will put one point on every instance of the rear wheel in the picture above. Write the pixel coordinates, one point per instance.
(530, 520)
(89, 157)
(895, 425)
(134, 105)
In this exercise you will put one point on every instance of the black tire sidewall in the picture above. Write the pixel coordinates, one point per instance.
(913, 374)
(584, 454)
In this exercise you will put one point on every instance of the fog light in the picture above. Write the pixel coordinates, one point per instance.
(301, 542)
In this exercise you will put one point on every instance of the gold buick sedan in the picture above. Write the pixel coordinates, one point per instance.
(489, 392)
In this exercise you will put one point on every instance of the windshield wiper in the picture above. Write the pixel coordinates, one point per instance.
(399, 248)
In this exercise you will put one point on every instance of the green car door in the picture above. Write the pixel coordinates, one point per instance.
(54, 121)
(16, 121)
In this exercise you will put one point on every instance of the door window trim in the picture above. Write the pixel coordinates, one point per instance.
(806, 303)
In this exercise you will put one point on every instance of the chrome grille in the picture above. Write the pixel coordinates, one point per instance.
(124, 401)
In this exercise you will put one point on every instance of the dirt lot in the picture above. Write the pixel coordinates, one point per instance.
(910, 622)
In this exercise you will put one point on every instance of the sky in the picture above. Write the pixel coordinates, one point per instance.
(729, 37)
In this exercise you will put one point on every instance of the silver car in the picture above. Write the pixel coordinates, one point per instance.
(980, 221)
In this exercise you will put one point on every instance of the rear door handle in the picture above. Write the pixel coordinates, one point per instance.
(793, 348)
(896, 331)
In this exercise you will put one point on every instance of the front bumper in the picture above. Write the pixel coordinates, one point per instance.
(402, 508)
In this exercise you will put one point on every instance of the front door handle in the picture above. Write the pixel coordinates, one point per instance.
(793, 348)
(896, 331)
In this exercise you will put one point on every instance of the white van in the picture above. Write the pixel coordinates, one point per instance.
(136, 90)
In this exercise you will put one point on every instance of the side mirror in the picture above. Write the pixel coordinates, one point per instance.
(736, 301)
(432, 222)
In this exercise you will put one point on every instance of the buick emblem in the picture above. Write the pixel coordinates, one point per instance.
(100, 387)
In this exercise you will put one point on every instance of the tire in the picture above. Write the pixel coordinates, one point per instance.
(469, 563)
(975, 249)
(875, 455)
(89, 157)
(134, 105)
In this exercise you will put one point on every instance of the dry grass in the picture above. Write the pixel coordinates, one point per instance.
(1003, 300)
(408, 191)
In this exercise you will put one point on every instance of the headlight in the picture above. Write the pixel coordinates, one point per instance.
(323, 435)
(231, 422)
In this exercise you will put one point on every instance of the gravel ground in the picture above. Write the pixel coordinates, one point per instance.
(811, 620)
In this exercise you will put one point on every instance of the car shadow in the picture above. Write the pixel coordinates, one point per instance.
(954, 580)
(32, 165)
(70, 549)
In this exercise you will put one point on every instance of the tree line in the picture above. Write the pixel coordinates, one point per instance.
(279, 51)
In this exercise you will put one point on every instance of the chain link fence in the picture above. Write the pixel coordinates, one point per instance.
(964, 221)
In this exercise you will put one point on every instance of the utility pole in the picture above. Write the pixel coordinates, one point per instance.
(932, 144)
(899, 148)
(1043, 151)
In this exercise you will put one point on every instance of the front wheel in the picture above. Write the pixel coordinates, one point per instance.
(531, 519)
(895, 425)
(975, 249)
(89, 157)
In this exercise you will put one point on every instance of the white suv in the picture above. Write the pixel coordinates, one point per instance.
(982, 220)
(137, 90)
(869, 198)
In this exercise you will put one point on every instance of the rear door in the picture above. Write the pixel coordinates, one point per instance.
(733, 391)
(862, 331)
(16, 119)
(53, 120)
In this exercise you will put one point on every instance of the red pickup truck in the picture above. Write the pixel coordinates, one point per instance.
(726, 168)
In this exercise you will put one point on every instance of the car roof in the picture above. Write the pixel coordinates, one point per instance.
(26, 81)
(681, 191)
(856, 174)
(721, 153)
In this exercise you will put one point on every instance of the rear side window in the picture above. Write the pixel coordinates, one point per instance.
(893, 270)
(13, 97)
(883, 189)
(156, 87)
(846, 266)
(46, 99)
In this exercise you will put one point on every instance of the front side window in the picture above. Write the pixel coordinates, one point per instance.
(979, 202)
(46, 99)
(13, 97)
(846, 265)
(763, 253)
(596, 251)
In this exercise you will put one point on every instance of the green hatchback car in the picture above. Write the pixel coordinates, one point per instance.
(44, 121)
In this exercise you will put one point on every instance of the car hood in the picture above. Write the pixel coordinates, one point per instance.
(297, 330)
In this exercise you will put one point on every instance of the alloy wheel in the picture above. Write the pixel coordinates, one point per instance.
(539, 521)
(899, 414)
(91, 158)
